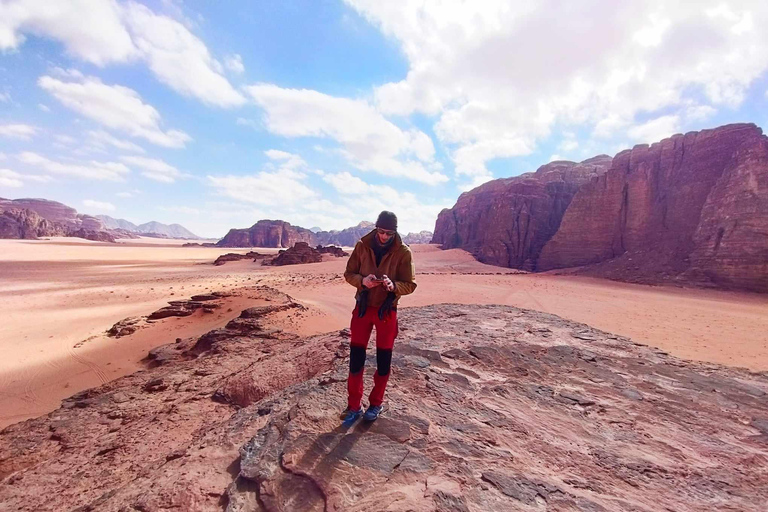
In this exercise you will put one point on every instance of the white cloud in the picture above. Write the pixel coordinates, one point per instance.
(655, 129)
(65, 140)
(3, 156)
(5, 97)
(111, 171)
(281, 187)
(289, 160)
(90, 30)
(105, 32)
(369, 141)
(44, 108)
(18, 131)
(178, 58)
(241, 121)
(234, 63)
(699, 112)
(114, 106)
(501, 76)
(101, 206)
(366, 200)
(155, 169)
(129, 193)
(100, 139)
(10, 179)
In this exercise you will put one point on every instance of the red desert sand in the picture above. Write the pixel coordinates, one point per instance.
(58, 298)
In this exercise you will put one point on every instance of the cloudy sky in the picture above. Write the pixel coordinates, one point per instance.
(324, 112)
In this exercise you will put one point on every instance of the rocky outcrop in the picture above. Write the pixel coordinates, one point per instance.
(691, 208)
(346, 237)
(26, 224)
(233, 256)
(300, 253)
(422, 237)
(34, 218)
(503, 409)
(333, 250)
(267, 233)
(508, 221)
(96, 236)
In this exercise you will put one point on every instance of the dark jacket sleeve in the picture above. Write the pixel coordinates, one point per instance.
(405, 282)
(352, 273)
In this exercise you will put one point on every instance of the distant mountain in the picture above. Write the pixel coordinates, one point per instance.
(422, 237)
(155, 228)
(112, 223)
(316, 229)
(346, 237)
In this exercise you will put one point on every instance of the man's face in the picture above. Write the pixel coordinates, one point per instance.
(384, 235)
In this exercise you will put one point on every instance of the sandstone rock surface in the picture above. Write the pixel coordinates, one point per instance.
(508, 221)
(232, 256)
(267, 233)
(693, 207)
(301, 252)
(19, 223)
(490, 408)
(344, 238)
(422, 237)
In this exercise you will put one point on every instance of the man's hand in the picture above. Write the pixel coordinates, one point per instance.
(370, 281)
(388, 284)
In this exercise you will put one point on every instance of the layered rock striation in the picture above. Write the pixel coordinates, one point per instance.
(497, 409)
(692, 208)
(507, 222)
(267, 233)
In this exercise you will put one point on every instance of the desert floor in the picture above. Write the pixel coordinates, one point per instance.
(59, 296)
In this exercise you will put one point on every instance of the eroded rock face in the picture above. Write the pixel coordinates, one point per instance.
(490, 408)
(267, 233)
(690, 207)
(17, 223)
(507, 222)
(231, 256)
(301, 252)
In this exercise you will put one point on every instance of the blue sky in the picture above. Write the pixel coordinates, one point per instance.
(324, 112)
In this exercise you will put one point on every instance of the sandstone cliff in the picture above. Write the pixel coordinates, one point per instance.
(503, 409)
(691, 208)
(26, 224)
(267, 233)
(422, 237)
(507, 221)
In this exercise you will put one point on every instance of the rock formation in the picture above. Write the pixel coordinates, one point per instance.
(333, 250)
(300, 253)
(692, 208)
(267, 233)
(506, 222)
(26, 224)
(34, 218)
(498, 409)
(232, 256)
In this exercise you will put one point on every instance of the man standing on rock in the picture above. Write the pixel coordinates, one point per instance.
(381, 269)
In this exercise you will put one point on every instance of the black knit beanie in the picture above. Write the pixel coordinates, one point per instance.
(387, 220)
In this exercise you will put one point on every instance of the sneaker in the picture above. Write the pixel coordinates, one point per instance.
(372, 413)
(351, 418)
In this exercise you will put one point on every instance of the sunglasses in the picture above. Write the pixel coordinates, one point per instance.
(385, 232)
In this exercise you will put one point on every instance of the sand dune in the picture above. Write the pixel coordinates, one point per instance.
(58, 298)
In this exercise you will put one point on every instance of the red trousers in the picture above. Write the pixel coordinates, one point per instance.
(386, 332)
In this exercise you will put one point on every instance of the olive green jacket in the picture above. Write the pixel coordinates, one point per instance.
(397, 264)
